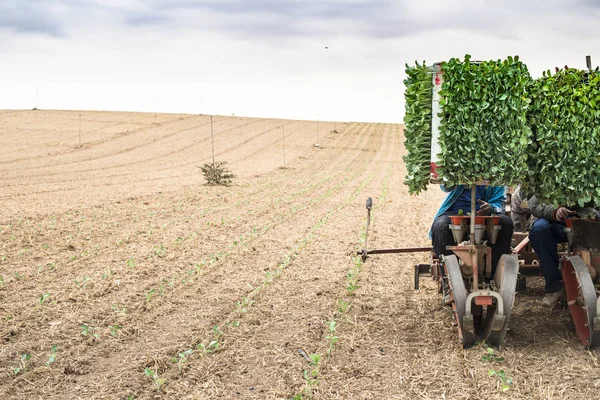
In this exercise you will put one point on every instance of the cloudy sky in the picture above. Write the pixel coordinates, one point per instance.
(304, 59)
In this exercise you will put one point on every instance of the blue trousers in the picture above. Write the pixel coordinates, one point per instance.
(544, 237)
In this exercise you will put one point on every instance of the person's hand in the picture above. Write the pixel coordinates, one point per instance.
(484, 208)
(562, 213)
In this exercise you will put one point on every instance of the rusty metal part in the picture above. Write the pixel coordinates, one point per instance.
(458, 295)
(505, 279)
(519, 248)
(582, 300)
(473, 256)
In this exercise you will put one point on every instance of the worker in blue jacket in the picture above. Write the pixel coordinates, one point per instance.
(490, 200)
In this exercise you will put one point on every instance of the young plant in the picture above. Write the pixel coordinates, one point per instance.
(504, 381)
(152, 374)
(52, 357)
(114, 329)
(150, 294)
(131, 262)
(22, 363)
(489, 356)
(182, 358)
(87, 330)
(211, 348)
(217, 174)
(44, 297)
(343, 306)
(332, 338)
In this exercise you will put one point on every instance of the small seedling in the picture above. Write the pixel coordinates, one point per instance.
(83, 284)
(1, 280)
(119, 311)
(491, 357)
(52, 357)
(114, 329)
(211, 348)
(154, 376)
(505, 382)
(87, 330)
(159, 250)
(182, 358)
(343, 306)
(149, 295)
(131, 262)
(217, 331)
(44, 297)
(22, 363)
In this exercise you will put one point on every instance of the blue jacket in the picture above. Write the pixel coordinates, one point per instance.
(495, 196)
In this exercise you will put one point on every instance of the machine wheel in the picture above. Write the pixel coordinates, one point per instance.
(506, 276)
(581, 298)
(459, 297)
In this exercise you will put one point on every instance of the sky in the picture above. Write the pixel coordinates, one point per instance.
(340, 60)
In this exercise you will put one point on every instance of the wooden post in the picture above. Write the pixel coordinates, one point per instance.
(212, 139)
(283, 143)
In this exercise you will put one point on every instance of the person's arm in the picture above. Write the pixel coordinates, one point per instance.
(497, 199)
(548, 211)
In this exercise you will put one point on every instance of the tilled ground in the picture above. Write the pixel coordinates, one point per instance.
(123, 276)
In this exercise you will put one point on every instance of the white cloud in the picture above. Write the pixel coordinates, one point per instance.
(268, 58)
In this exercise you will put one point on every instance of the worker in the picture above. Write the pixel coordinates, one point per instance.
(519, 211)
(489, 200)
(545, 235)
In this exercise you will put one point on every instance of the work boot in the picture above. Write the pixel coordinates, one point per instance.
(550, 299)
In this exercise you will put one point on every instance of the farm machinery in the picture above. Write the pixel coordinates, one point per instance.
(482, 299)
(481, 296)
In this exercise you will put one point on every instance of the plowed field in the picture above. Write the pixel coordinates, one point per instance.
(123, 276)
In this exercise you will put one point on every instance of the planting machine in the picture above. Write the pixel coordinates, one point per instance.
(481, 301)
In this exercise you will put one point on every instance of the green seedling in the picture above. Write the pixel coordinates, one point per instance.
(504, 381)
(149, 372)
(22, 363)
(343, 306)
(119, 311)
(1, 280)
(217, 331)
(242, 306)
(211, 348)
(159, 250)
(87, 330)
(182, 358)
(131, 262)
(83, 284)
(52, 357)
(114, 329)
(43, 298)
(491, 357)
(149, 295)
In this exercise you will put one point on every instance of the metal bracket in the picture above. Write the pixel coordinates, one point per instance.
(498, 319)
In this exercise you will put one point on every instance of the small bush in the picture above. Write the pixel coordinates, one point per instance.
(217, 174)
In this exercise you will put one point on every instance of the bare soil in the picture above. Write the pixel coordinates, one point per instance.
(151, 284)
